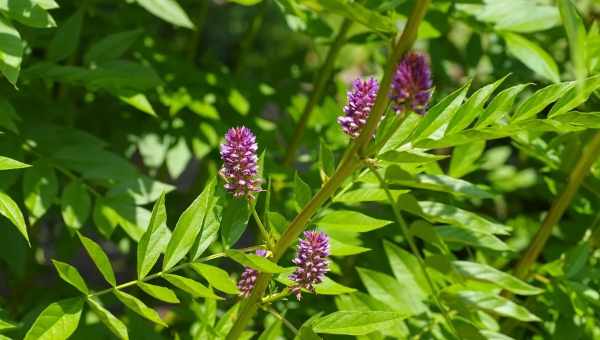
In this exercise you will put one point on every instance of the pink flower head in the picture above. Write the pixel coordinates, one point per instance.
(311, 262)
(411, 86)
(240, 167)
(360, 102)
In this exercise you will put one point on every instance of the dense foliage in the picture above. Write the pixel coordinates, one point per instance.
(299, 169)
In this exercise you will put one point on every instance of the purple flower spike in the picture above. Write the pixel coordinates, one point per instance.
(249, 276)
(411, 86)
(360, 102)
(311, 262)
(239, 168)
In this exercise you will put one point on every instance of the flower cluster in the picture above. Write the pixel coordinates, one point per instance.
(411, 86)
(360, 102)
(249, 276)
(239, 168)
(311, 262)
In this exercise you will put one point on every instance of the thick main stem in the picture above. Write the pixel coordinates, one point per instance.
(349, 163)
(588, 156)
(320, 81)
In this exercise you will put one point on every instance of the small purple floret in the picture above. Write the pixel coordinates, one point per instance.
(249, 276)
(411, 85)
(360, 102)
(240, 167)
(311, 262)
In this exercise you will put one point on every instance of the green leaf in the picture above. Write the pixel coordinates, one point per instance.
(495, 304)
(139, 101)
(464, 158)
(168, 10)
(10, 210)
(216, 277)
(440, 114)
(356, 322)
(210, 228)
(471, 237)
(235, 220)
(58, 321)
(400, 296)
(338, 248)
(238, 102)
(66, 39)
(112, 46)
(76, 205)
(576, 35)
(575, 96)
(196, 289)
(158, 292)
(367, 195)
(350, 221)
(28, 12)
(443, 183)
(9, 164)
(410, 156)
(485, 273)
(326, 159)
(532, 55)
(246, 2)
(472, 107)
(530, 107)
(139, 307)
(100, 259)
(406, 269)
(110, 321)
(155, 239)
(6, 326)
(500, 106)
(188, 227)
(576, 259)
(302, 192)
(40, 189)
(257, 262)
(70, 275)
(444, 213)
(305, 332)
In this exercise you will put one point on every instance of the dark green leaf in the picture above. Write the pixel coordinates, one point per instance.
(302, 192)
(76, 205)
(66, 39)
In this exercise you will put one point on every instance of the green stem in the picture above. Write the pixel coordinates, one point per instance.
(276, 296)
(161, 273)
(261, 226)
(414, 249)
(348, 165)
(320, 81)
(285, 321)
(588, 156)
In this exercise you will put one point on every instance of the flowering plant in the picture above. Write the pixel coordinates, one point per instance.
(338, 168)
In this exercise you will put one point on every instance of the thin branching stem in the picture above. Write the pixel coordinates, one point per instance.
(413, 248)
(261, 227)
(161, 273)
(285, 321)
